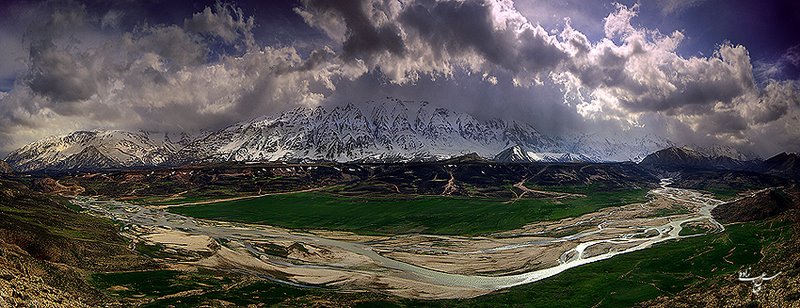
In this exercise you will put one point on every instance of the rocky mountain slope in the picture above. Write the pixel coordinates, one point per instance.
(518, 154)
(46, 250)
(757, 206)
(5, 167)
(783, 164)
(384, 131)
(388, 131)
(682, 157)
(96, 150)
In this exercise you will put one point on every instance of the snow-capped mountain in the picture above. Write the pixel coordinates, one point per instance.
(385, 131)
(718, 150)
(95, 150)
(518, 154)
(614, 147)
(391, 130)
(682, 157)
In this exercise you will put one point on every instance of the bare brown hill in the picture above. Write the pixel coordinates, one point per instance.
(760, 205)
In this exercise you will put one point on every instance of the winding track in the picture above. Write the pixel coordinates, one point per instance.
(244, 233)
(160, 207)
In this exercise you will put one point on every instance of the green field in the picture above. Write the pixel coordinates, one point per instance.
(423, 214)
(724, 194)
(148, 284)
(631, 278)
(621, 281)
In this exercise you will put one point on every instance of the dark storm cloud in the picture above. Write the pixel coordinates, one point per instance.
(438, 37)
(59, 75)
(363, 38)
(172, 43)
(704, 91)
(455, 28)
(724, 122)
(776, 101)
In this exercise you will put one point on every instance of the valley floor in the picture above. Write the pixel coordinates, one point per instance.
(417, 266)
(439, 234)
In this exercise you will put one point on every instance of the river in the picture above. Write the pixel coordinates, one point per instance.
(131, 214)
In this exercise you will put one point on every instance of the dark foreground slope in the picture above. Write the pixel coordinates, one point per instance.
(719, 174)
(783, 164)
(46, 247)
(759, 205)
(780, 258)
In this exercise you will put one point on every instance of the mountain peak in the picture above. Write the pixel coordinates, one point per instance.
(385, 130)
(107, 148)
(783, 164)
(518, 154)
(685, 157)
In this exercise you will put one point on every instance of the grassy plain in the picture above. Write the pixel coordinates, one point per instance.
(155, 283)
(396, 215)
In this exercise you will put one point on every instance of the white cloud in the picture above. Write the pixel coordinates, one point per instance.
(224, 21)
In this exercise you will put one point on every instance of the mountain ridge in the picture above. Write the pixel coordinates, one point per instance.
(684, 157)
(786, 165)
(389, 130)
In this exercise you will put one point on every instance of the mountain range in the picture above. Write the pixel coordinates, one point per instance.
(688, 158)
(677, 158)
(384, 131)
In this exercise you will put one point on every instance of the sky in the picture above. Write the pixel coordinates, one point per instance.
(697, 72)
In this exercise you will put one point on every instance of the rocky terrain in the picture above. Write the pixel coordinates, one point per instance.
(384, 131)
(682, 158)
(463, 176)
(46, 249)
(780, 259)
(759, 205)
(784, 164)
(91, 150)
(5, 167)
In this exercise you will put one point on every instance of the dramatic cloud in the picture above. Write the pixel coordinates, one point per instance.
(224, 21)
(158, 77)
(630, 74)
(644, 73)
(75, 68)
(432, 37)
(715, 96)
(59, 75)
